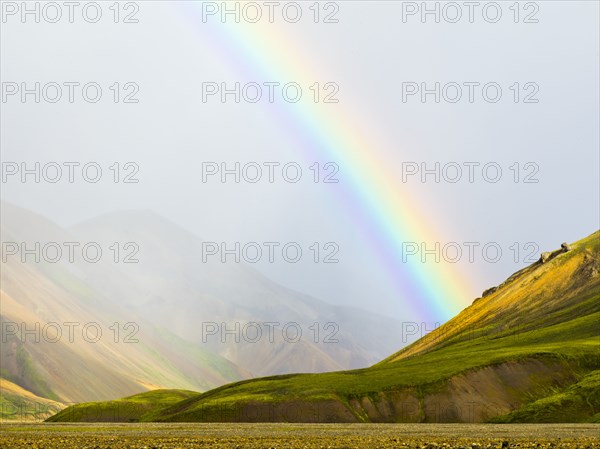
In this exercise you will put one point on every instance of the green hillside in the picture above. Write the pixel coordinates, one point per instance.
(139, 407)
(526, 351)
(578, 402)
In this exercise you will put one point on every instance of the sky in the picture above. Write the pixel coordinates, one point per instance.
(528, 106)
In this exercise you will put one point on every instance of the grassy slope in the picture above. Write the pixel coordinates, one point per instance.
(537, 297)
(578, 402)
(547, 312)
(139, 407)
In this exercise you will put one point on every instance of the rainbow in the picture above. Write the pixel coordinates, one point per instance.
(374, 197)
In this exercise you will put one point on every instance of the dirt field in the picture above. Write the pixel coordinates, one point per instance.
(184, 436)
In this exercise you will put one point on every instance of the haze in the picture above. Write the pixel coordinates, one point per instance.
(170, 133)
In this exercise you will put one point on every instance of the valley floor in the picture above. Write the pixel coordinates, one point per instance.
(360, 436)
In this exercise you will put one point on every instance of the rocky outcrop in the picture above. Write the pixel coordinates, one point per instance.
(489, 291)
(549, 255)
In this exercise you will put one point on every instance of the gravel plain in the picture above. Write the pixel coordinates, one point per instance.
(319, 436)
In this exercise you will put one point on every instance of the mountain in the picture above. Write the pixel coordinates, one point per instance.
(151, 313)
(528, 350)
(50, 320)
(171, 283)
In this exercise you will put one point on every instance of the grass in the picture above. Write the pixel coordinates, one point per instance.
(579, 402)
(140, 407)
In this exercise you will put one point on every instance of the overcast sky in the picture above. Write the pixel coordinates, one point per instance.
(371, 53)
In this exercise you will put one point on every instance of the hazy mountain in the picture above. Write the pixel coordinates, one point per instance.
(50, 323)
(172, 286)
(160, 304)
